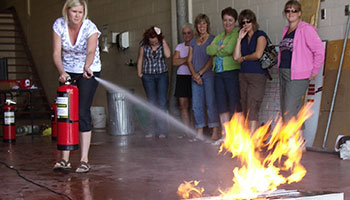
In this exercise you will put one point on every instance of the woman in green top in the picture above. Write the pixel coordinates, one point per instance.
(226, 69)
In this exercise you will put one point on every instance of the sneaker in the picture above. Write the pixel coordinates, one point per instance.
(83, 167)
(148, 135)
(218, 142)
(162, 136)
(62, 165)
(200, 137)
(180, 137)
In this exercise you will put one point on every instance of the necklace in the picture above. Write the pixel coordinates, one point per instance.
(292, 27)
(202, 38)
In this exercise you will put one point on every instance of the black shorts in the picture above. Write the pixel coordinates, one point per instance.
(183, 86)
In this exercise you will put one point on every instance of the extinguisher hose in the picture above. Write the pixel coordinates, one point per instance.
(32, 182)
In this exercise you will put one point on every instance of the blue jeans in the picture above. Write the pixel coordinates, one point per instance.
(204, 96)
(156, 88)
(227, 92)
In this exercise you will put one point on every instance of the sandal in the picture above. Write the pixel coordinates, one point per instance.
(83, 167)
(62, 165)
(162, 136)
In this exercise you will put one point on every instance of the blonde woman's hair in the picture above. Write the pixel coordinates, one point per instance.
(293, 3)
(72, 3)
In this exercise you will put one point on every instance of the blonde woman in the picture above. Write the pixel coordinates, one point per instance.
(73, 57)
(199, 63)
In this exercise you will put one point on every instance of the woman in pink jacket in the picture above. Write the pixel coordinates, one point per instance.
(301, 55)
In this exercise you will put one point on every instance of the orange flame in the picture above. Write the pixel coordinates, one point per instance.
(190, 190)
(263, 155)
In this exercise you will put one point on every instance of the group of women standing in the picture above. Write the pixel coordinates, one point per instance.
(224, 75)
(219, 65)
(238, 82)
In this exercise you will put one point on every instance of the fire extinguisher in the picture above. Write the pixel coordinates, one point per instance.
(67, 117)
(9, 129)
(54, 121)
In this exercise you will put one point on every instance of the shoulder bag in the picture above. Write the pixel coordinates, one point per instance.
(269, 58)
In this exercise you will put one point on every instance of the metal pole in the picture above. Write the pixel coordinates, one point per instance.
(181, 18)
(336, 84)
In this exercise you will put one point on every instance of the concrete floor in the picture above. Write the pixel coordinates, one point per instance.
(132, 167)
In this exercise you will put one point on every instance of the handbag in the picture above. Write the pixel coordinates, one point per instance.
(269, 57)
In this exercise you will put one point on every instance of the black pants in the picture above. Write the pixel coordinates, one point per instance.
(87, 89)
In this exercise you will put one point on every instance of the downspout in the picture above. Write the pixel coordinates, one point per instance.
(181, 19)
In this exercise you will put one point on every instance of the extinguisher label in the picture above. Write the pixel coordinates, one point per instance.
(62, 107)
(9, 118)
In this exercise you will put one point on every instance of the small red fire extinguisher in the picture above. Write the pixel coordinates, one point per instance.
(67, 117)
(9, 129)
(54, 121)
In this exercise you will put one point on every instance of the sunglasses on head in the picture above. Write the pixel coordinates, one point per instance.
(246, 22)
(290, 11)
(187, 33)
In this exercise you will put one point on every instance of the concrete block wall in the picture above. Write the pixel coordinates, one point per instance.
(334, 26)
(270, 16)
(134, 17)
(212, 8)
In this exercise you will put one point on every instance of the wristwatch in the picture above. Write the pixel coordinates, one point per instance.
(200, 75)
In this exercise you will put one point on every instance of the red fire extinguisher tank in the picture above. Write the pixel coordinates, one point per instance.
(9, 129)
(54, 121)
(67, 117)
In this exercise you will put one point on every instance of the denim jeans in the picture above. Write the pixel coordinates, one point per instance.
(203, 96)
(156, 88)
(227, 92)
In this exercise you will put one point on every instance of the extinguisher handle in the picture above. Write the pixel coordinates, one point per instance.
(10, 102)
(68, 80)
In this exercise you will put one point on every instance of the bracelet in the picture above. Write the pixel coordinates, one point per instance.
(200, 75)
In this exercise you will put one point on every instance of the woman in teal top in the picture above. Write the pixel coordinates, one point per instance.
(225, 68)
